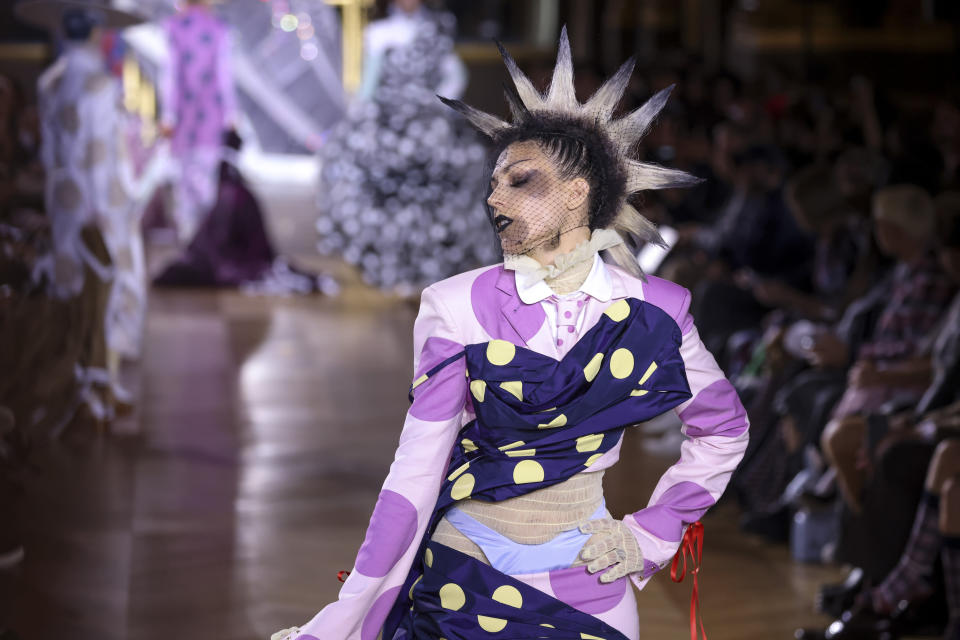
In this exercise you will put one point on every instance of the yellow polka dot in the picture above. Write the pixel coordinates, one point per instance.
(463, 487)
(428, 558)
(587, 636)
(621, 363)
(618, 310)
(452, 597)
(468, 445)
(639, 392)
(522, 453)
(527, 471)
(491, 624)
(419, 381)
(500, 352)
(649, 372)
(509, 596)
(593, 367)
(458, 471)
(549, 626)
(512, 445)
(589, 443)
(479, 389)
(515, 387)
(559, 421)
(592, 459)
(410, 593)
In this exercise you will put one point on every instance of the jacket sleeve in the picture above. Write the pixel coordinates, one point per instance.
(410, 492)
(716, 428)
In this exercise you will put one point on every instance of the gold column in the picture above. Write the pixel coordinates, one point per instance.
(140, 97)
(354, 18)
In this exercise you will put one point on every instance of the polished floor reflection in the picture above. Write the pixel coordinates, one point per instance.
(266, 428)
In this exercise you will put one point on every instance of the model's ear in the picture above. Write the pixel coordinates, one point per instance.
(577, 190)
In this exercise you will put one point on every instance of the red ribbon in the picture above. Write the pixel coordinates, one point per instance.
(342, 575)
(692, 544)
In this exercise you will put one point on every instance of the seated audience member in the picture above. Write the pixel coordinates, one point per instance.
(903, 602)
(893, 488)
(842, 250)
(755, 237)
(845, 261)
(890, 367)
(805, 362)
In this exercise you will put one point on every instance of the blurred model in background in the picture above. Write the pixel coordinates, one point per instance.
(232, 248)
(402, 179)
(198, 106)
(89, 194)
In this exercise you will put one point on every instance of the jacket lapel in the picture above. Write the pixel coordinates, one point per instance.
(521, 322)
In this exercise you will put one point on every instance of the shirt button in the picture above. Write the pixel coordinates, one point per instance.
(567, 314)
(559, 343)
(569, 329)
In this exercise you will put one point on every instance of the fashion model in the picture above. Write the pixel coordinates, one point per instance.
(492, 522)
(90, 189)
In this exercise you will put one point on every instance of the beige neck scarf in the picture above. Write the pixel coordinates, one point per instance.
(569, 270)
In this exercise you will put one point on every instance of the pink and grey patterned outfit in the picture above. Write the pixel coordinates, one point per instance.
(199, 105)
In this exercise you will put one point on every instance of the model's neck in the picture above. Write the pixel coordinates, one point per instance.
(568, 242)
(571, 279)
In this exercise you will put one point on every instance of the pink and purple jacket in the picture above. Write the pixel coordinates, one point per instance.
(483, 305)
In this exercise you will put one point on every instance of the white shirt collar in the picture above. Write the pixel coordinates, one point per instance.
(598, 285)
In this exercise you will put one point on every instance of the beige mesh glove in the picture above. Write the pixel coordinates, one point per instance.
(611, 545)
(286, 634)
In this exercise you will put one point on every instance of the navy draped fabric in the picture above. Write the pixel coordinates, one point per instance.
(459, 598)
(539, 422)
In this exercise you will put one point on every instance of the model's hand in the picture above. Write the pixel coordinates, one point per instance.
(611, 545)
(286, 634)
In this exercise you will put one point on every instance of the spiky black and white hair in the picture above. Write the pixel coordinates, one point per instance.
(604, 143)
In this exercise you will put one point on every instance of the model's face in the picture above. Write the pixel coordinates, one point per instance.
(531, 205)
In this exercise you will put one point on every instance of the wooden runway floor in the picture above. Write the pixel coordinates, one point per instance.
(267, 426)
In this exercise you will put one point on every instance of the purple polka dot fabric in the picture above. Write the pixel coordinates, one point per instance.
(437, 398)
(392, 528)
(373, 622)
(683, 502)
(515, 322)
(584, 591)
